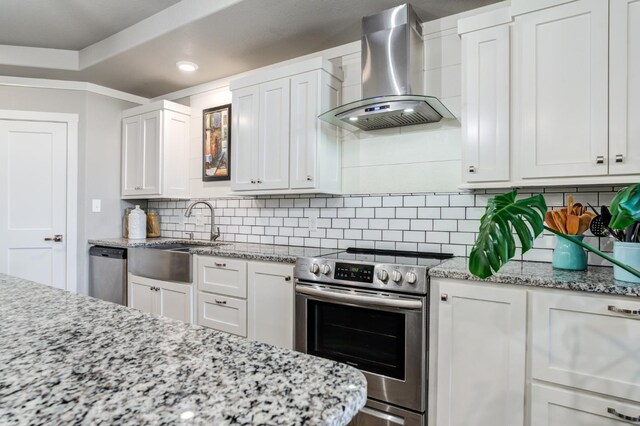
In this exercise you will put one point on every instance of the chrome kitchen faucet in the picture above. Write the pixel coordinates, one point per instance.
(214, 235)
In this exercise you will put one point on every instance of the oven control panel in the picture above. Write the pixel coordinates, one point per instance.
(370, 275)
(354, 272)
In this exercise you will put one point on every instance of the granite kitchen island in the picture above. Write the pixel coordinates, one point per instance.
(69, 359)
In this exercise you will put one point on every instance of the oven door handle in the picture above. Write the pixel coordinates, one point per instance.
(365, 301)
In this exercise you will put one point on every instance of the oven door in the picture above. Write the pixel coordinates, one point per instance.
(382, 334)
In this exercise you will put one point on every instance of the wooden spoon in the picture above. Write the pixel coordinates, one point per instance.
(573, 224)
(585, 221)
(551, 221)
(559, 221)
(578, 209)
(570, 204)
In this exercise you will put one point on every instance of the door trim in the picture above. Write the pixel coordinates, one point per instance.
(71, 120)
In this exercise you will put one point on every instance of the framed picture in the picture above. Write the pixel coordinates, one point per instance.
(216, 152)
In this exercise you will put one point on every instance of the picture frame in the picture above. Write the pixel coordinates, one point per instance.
(216, 143)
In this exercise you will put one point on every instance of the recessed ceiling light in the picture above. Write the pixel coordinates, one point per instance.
(353, 118)
(186, 66)
(408, 110)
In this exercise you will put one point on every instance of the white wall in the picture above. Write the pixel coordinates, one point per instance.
(408, 159)
(98, 156)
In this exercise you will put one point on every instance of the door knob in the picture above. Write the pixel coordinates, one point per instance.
(56, 238)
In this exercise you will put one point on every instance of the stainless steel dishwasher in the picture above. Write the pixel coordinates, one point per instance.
(108, 274)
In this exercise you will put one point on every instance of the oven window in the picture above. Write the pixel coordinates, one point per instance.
(368, 339)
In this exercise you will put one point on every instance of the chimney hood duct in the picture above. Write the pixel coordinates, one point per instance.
(392, 76)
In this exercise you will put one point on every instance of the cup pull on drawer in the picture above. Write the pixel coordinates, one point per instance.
(623, 416)
(220, 265)
(220, 302)
(635, 313)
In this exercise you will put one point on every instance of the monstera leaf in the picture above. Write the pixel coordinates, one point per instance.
(625, 207)
(496, 244)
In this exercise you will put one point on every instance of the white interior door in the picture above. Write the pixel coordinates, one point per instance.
(33, 188)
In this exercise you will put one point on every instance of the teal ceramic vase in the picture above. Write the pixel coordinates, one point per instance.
(568, 255)
(629, 254)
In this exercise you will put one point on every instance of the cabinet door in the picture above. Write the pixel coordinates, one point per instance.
(151, 153)
(561, 81)
(131, 155)
(486, 91)
(592, 343)
(273, 150)
(480, 355)
(559, 407)
(624, 87)
(244, 142)
(222, 276)
(304, 129)
(142, 295)
(222, 313)
(175, 170)
(270, 303)
(175, 301)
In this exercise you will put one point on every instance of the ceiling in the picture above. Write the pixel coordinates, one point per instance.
(224, 37)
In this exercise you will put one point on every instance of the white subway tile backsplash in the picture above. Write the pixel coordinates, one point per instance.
(435, 222)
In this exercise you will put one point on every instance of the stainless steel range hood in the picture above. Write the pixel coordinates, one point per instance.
(392, 76)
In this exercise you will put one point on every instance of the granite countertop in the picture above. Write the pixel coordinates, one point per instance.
(70, 359)
(248, 251)
(597, 279)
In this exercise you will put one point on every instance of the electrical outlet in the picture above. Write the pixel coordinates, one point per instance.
(200, 218)
(313, 222)
(96, 206)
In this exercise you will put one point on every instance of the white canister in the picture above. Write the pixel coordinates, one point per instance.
(629, 254)
(137, 224)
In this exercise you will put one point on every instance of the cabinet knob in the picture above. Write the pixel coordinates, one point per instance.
(472, 169)
(619, 158)
(253, 181)
(309, 178)
(258, 181)
(600, 159)
(287, 278)
(444, 297)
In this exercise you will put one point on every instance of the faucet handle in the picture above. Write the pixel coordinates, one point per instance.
(216, 235)
(189, 235)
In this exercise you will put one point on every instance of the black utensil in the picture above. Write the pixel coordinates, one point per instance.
(606, 220)
(628, 232)
(597, 228)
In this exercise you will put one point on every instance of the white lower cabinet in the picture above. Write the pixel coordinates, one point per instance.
(223, 313)
(480, 373)
(249, 299)
(582, 352)
(167, 299)
(560, 407)
(271, 303)
(586, 342)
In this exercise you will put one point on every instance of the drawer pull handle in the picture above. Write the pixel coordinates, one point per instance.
(220, 302)
(623, 311)
(220, 265)
(623, 416)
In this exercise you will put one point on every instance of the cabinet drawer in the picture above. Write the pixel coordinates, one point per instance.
(559, 407)
(222, 276)
(587, 343)
(222, 313)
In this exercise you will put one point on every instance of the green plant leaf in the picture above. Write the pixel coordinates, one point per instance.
(495, 244)
(625, 207)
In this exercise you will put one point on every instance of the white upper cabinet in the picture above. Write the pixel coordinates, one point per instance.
(279, 145)
(561, 99)
(485, 94)
(273, 140)
(624, 87)
(155, 151)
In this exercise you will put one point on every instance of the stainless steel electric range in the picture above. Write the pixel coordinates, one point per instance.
(369, 308)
